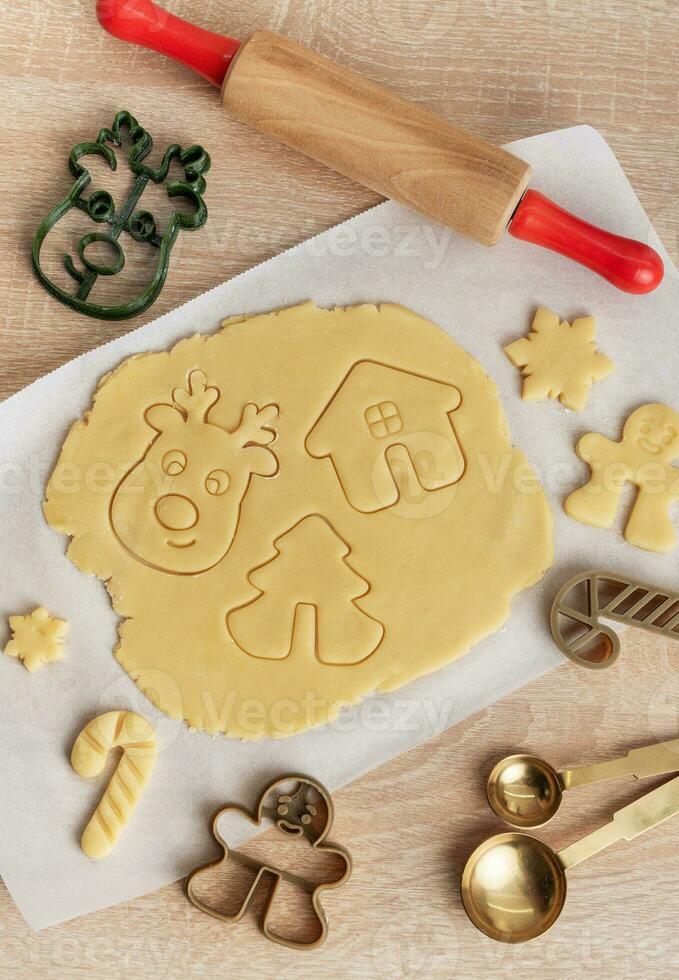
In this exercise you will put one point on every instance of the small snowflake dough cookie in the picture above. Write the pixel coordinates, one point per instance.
(559, 360)
(649, 445)
(37, 639)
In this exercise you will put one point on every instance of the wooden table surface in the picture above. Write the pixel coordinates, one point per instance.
(506, 69)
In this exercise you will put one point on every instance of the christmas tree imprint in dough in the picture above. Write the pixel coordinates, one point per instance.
(307, 597)
(649, 445)
(178, 508)
(442, 565)
(559, 360)
(291, 866)
(37, 639)
(378, 409)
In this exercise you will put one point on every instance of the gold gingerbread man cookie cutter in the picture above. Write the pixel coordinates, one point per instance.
(583, 603)
(295, 815)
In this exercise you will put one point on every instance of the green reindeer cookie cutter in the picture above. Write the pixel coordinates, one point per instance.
(140, 224)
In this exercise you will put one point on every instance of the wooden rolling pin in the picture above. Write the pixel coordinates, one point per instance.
(378, 139)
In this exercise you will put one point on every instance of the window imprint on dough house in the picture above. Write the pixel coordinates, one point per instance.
(383, 419)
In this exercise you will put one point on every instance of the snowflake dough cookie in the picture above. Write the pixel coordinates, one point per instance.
(649, 445)
(37, 639)
(304, 508)
(559, 360)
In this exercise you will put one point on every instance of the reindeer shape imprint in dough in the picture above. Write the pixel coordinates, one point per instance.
(177, 509)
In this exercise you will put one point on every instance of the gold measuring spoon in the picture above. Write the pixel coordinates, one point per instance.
(526, 791)
(514, 885)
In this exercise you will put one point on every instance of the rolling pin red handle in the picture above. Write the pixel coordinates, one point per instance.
(627, 264)
(142, 22)
(370, 135)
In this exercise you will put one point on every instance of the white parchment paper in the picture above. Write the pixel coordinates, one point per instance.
(484, 298)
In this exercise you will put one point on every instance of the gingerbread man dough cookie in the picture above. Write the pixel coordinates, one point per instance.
(649, 445)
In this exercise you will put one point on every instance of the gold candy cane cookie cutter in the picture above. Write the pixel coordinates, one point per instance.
(305, 812)
(581, 633)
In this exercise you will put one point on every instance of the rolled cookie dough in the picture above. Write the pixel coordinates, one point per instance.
(37, 639)
(133, 734)
(645, 457)
(559, 360)
(305, 507)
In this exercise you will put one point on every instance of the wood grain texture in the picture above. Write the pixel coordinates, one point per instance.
(504, 69)
(362, 130)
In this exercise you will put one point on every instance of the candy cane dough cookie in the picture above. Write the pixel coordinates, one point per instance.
(136, 737)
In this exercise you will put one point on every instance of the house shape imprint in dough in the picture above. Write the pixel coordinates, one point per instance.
(379, 415)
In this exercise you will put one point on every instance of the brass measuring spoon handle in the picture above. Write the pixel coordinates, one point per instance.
(634, 819)
(649, 760)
